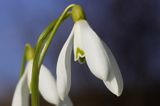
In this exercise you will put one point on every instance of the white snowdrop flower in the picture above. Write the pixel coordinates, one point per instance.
(47, 88)
(90, 48)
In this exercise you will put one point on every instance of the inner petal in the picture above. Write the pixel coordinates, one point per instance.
(82, 60)
(80, 56)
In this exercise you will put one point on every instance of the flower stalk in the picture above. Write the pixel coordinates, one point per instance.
(41, 48)
(77, 13)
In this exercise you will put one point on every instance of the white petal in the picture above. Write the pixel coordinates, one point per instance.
(114, 81)
(66, 102)
(47, 86)
(64, 68)
(21, 94)
(29, 69)
(77, 42)
(95, 54)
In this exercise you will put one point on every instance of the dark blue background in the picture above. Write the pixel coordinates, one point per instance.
(131, 28)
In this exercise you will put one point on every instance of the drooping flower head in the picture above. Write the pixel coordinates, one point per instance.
(89, 48)
(47, 85)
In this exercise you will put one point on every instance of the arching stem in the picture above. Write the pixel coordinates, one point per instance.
(41, 48)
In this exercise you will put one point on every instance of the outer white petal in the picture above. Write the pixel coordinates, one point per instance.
(29, 69)
(21, 94)
(64, 68)
(66, 102)
(95, 54)
(47, 86)
(114, 81)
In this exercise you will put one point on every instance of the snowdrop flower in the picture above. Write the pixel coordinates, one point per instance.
(47, 88)
(90, 48)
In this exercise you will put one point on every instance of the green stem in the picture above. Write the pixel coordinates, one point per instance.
(23, 63)
(35, 71)
(47, 43)
(39, 56)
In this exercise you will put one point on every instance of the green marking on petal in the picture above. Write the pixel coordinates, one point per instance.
(82, 60)
(79, 52)
(80, 56)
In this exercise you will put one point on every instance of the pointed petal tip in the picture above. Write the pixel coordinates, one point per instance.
(114, 80)
(114, 87)
(66, 102)
(62, 93)
(47, 86)
(119, 94)
(21, 94)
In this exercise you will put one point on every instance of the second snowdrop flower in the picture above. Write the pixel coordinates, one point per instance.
(90, 48)
(47, 85)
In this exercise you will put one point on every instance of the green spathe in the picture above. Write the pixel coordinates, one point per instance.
(29, 52)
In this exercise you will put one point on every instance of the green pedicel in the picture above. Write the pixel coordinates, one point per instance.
(78, 13)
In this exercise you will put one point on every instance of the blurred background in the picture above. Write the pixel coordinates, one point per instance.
(131, 28)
